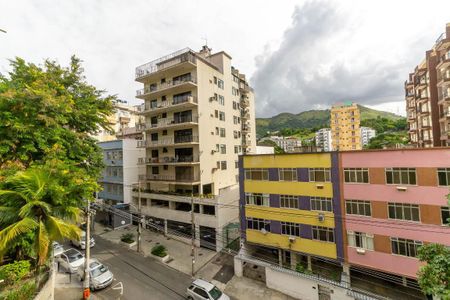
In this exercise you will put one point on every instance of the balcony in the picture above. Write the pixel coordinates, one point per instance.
(183, 58)
(443, 80)
(176, 103)
(170, 160)
(184, 121)
(178, 178)
(244, 87)
(246, 128)
(245, 102)
(444, 61)
(157, 89)
(181, 140)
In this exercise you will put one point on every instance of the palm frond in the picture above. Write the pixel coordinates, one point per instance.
(8, 215)
(42, 244)
(6, 195)
(59, 229)
(27, 209)
(12, 232)
(69, 213)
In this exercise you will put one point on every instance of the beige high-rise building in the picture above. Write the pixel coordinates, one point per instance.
(345, 130)
(199, 116)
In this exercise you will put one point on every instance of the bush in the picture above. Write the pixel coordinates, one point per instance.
(26, 291)
(301, 269)
(127, 238)
(159, 251)
(14, 272)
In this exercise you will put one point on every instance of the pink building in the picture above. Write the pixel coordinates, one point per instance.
(394, 201)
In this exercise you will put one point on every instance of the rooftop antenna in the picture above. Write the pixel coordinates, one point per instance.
(205, 38)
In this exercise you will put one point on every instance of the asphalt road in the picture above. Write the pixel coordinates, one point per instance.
(140, 277)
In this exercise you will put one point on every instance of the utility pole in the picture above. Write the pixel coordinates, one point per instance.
(140, 221)
(192, 236)
(86, 290)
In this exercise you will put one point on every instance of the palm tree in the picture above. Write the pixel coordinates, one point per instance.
(30, 204)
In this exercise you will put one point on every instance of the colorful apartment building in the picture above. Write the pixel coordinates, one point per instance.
(345, 132)
(364, 209)
(289, 202)
(394, 201)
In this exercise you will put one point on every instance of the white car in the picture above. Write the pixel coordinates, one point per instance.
(201, 290)
(99, 275)
(57, 249)
(81, 243)
(71, 260)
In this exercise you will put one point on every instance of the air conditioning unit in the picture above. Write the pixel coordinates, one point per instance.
(263, 231)
(211, 99)
(213, 151)
(360, 251)
(321, 217)
(292, 239)
(319, 186)
(402, 188)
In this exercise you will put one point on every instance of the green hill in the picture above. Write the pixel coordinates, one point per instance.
(311, 119)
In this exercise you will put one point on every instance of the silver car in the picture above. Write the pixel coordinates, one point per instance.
(57, 249)
(99, 275)
(70, 260)
(81, 243)
(203, 290)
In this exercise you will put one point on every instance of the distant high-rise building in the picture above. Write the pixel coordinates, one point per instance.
(288, 144)
(199, 117)
(366, 134)
(345, 132)
(323, 139)
(427, 94)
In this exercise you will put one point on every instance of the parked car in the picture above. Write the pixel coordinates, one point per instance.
(57, 249)
(81, 243)
(201, 290)
(99, 275)
(71, 259)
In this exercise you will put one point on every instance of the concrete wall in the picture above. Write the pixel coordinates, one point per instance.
(131, 169)
(299, 287)
(48, 290)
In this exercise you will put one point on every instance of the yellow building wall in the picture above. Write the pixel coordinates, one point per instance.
(325, 249)
(318, 189)
(289, 215)
(315, 160)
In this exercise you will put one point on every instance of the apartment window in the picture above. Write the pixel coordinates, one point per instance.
(221, 116)
(216, 113)
(405, 247)
(236, 164)
(324, 234)
(258, 224)
(221, 100)
(289, 201)
(401, 176)
(360, 240)
(358, 207)
(222, 132)
(257, 174)
(321, 204)
(356, 175)
(223, 149)
(215, 80)
(257, 199)
(291, 229)
(235, 120)
(220, 83)
(288, 174)
(402, 211)
(319, 174)
(217, 131)
(217, 147)
(445, 215)
(235, 134)
(155, 170)
(234, 105)
(223, 165)
(236, 149)
(444, 176)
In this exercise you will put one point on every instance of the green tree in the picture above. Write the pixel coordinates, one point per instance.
(50, 111)
(39, 202)
(434, 277)
(387, 139)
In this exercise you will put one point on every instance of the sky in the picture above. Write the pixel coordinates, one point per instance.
(299, 55)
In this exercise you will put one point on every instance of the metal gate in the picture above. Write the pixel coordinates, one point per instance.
(324, 293)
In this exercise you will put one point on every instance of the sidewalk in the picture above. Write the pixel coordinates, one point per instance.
(179, 252)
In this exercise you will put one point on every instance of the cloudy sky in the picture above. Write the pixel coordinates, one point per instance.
(299, 55)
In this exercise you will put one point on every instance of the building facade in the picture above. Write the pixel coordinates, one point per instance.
(426, 94)
(289, 202)
(345, 131)
(121, 170)
(366, 134)
(288, 144)
(199, 116)
(394, 201)
(323, 139)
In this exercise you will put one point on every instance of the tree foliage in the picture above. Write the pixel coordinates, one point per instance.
(382, 125)
(388, 140)
(50, 110)
(434, 277)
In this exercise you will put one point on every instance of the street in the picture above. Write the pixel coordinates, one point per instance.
(140, 277)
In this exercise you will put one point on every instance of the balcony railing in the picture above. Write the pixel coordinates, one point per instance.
(169, 84)
(165, 62)
(173, 121)
(175, 102)
(177, 177)
(168, 141)
(169, 159)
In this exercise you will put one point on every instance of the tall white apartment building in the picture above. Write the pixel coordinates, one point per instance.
(366, 134)
(288, 144)
(199, 116)
(323, 139)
